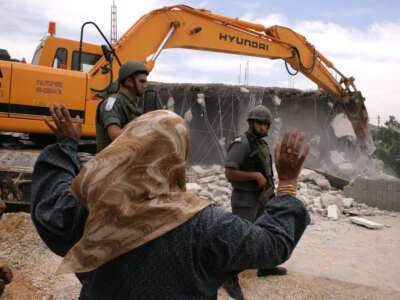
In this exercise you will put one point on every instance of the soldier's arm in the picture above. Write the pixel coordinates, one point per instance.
(110, 117)
(237, 175)
(113, 131)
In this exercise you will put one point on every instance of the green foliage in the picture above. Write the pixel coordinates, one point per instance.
(387, 142)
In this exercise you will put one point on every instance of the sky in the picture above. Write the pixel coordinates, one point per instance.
(360, 37)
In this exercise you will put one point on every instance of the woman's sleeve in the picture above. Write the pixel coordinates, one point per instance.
(57, 216)
(235, 244)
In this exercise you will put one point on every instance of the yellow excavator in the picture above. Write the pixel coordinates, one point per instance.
(79, 74)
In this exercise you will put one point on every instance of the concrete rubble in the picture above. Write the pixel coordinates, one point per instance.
(209, 182)
(367, 223)
(333, 212)
(313, 189)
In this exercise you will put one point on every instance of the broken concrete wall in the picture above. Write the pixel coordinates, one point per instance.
(212, 112)
(217, 113)
(380, 193)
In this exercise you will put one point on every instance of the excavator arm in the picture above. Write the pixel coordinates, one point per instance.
(181, 26)
(27, 90)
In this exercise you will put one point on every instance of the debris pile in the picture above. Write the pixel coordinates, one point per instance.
(313, 189)
(209, 182)
(25, 252)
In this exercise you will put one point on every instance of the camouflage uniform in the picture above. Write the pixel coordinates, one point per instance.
(118, 110)
(250, 153)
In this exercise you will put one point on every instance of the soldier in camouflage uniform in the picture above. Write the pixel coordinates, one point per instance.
(248, 167)
(118, 110)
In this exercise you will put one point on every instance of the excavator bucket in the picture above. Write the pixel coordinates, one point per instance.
(358, 116)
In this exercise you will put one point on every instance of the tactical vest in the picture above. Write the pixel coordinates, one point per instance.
(129, 112)
(258, 159)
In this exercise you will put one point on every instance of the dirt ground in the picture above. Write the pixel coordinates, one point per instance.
(334, 260)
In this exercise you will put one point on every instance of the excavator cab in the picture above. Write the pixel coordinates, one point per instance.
(62, 53)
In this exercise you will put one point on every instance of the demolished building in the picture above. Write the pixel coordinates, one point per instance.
(217, 113)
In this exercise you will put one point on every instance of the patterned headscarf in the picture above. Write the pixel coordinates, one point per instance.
(134, 190)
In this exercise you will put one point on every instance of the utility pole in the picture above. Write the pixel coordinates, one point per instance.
(246, 74)
(240, 73)
(290, 81)
(113, 33)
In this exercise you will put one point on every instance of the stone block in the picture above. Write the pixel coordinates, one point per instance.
(366, 223)
(333, 212)
(206, 195)
(331, 199)
(208, 179)
(193, 187)
(347, 202)
(200, 171)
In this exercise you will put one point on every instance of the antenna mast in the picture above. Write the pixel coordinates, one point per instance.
(113, 33)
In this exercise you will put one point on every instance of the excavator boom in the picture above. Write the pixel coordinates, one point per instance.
(181, 26)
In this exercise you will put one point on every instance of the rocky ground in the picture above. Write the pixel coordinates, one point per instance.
(335, 259)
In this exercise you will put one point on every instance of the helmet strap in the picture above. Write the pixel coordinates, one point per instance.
(133, 89)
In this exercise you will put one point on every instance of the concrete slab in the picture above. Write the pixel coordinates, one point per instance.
(366, 223)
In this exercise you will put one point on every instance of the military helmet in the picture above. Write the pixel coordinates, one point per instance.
(130, 68)
(260, 113)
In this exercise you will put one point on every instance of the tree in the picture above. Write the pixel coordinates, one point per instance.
(387, 142)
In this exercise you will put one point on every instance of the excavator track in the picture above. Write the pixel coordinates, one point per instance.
(16, 175)
(18, 154)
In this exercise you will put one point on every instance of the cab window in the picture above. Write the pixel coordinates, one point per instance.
(88, 60)
(60, 58)
(36, 56)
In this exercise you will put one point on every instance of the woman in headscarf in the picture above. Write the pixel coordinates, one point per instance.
(128, 228)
